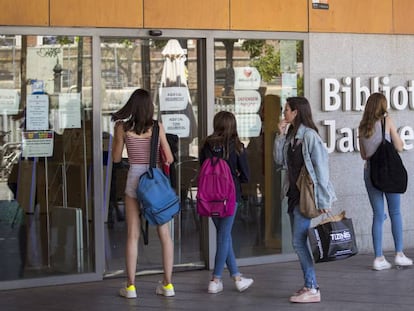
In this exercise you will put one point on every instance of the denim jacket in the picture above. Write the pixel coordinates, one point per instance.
(315, 157)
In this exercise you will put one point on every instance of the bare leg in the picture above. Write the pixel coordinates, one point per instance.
(167, 251)
(133, 225)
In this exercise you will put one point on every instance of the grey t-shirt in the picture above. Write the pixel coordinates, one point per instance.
(371, 144)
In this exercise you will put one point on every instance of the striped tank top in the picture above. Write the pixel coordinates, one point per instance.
(139, 149)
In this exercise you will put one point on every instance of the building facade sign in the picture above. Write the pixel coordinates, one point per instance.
(348, 94)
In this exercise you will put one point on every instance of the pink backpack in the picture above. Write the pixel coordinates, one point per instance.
(216, 193)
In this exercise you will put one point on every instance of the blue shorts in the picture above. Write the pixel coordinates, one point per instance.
(134, 173)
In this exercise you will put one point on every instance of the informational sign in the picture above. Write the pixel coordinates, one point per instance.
(248, 125)
(37, 113)
(38, 87)
(37, 144)
(247, 101)
(178, 124)
(9, 102)
(246, 78)
(320, 4)
(289, 86)
(69, 110)
(173, 98)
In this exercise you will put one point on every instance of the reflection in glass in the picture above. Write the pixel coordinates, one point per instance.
(253, 78)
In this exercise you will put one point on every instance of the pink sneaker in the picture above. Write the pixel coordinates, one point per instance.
(306, 295)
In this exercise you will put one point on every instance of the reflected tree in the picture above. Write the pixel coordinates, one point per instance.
(264, 57)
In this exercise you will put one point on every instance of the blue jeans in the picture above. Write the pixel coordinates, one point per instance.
(300, 225)
(376, 198)
(224, 252)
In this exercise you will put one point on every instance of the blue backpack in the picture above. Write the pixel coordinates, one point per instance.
(159, 201)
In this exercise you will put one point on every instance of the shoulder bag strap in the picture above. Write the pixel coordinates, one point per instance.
(383, 130)
(154, 144)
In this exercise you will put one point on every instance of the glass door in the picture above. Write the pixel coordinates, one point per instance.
(168, 68)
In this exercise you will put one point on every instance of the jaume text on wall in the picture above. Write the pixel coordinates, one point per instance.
(349, 94)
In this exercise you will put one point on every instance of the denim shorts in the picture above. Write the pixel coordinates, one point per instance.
(134, 173)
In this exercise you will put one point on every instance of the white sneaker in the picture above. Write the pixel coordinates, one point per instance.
(243, 284)
(380, 263)
(402, 260)
(128, 292)
(167, 290)
(306, 295)
(215, 287)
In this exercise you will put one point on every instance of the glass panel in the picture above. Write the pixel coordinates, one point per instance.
(252, 79)
(168, 69)
(46, 217)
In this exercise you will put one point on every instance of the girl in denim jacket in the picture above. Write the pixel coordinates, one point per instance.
(298, 144)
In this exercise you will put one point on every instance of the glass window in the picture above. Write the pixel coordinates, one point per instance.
(253, 78)
(46, 217)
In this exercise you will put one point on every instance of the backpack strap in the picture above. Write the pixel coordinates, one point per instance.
(153, 159)
(154, 143)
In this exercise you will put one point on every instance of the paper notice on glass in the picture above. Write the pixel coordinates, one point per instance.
(246, 78)
(289, 86)
(9, 102)
(248, 125)
(69, 110)
(37, 113)
(37, 144)
(178, 124)
(173, 98)
(247, 101)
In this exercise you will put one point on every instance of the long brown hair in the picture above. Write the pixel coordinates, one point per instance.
(304, 113)
(375, 109)
(137, 113)
(225, 133)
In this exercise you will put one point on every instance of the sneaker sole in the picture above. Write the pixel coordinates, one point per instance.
(130, 296)
(215, 291)
(313, 300)
(244, 288)
(164, 293)
(381, 268)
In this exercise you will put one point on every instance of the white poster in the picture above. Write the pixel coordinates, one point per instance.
(37, 113)
(289, 86)
(248, 125)
(246, 78)
(247, 101)
(69, 114)
(173, 98)
(9, 102)
(37, 144)
(178, 124)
